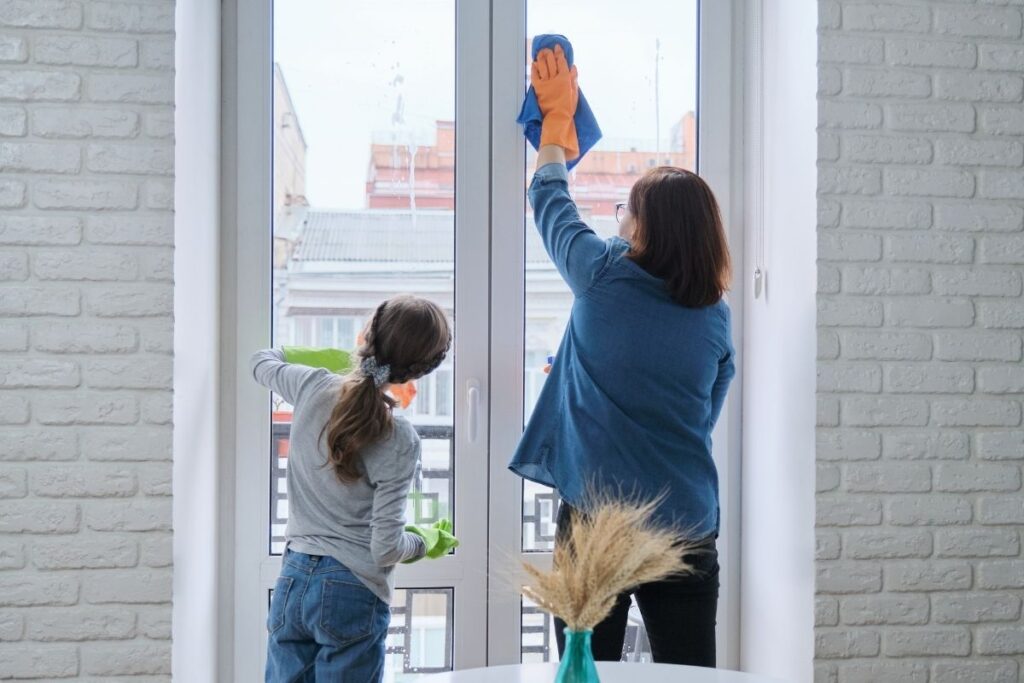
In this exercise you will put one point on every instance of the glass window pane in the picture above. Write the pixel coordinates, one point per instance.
(347, 330)
(445, 381)
(280, 430)
(432, 491)
(325, 329)
(420, 636)
(538, 635)
(301, 327)
(640, 78)
(538, 642)
(364, 193)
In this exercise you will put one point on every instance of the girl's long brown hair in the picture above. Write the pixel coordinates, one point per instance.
(412, 336)
(679, 235)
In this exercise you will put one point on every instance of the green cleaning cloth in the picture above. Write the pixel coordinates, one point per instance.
(335, 360)
(437, 537)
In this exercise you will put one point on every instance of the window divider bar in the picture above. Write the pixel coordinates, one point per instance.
(507, 221)
(472, 240)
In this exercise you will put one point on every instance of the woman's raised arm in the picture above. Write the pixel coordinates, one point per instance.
(575, 249)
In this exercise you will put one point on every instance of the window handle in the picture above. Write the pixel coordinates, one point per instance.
(473, 408)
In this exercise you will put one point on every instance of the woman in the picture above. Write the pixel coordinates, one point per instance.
(642, 371)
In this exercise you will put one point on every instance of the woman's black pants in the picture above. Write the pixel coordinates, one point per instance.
(679, 612)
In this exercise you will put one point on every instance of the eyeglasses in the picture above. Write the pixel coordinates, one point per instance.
(621, 209)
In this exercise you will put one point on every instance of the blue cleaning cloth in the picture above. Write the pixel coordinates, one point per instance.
(587, 130)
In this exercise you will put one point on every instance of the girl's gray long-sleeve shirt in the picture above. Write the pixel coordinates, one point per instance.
(360, 524)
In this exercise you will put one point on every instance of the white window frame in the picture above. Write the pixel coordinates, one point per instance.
(719, 148)
(489, 193)
(248, 289)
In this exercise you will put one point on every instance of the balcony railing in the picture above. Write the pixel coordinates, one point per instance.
(427, 502)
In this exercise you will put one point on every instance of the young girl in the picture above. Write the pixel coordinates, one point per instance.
(350, 466)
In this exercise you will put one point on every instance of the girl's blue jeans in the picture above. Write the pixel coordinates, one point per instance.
(324, 624)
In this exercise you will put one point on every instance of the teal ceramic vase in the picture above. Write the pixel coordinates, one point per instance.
(578, 659)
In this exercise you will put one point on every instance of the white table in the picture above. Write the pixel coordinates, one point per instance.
(610, 672)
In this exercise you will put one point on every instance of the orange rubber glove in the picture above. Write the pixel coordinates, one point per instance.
(404, 393)
(557, 94)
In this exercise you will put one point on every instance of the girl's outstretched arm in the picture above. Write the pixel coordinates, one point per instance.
(287, 380)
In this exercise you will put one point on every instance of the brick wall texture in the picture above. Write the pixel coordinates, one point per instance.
(86, 253)
(920, 508)
(920, 245)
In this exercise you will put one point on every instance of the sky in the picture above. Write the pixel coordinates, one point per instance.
(361, 70)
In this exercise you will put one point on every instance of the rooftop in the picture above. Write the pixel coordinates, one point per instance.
(392, 236)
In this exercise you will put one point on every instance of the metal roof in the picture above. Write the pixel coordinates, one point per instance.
(390, 236)
(377, 236)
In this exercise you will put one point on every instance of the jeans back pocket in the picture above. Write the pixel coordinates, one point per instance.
(278, 603)
(348, 610)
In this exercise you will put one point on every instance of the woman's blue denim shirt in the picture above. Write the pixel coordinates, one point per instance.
(638, 381)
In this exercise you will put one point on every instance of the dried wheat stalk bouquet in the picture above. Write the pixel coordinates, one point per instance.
(611, 549)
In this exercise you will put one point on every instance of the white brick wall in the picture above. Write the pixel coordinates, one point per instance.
(920, 506)
(86, 247)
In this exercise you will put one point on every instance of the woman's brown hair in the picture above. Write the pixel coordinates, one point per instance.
(408, 337)
(678, 235)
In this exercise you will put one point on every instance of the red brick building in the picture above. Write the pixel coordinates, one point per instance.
(598, 182)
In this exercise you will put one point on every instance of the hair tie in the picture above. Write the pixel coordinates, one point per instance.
(380, 372)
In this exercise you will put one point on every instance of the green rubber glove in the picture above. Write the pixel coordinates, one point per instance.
(437, 537)
(335, 360)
